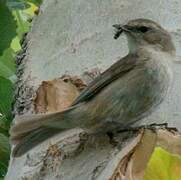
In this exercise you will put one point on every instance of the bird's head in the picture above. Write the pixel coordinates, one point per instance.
(144, 32)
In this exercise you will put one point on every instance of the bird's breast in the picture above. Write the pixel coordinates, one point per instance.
(135, 94)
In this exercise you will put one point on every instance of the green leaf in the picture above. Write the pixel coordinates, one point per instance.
(6, 98)
(4, 154)
(4, 125)
(36, 2)
(22, 24)
(163, 166)
(17, 4)
(7, 27)
(7, 64)
(31, 11)
(15, 44)
(4, 148)
(3, 170)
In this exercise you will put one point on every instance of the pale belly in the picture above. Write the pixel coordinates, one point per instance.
(129, 98)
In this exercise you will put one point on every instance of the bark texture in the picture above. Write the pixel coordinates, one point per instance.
(70, 38)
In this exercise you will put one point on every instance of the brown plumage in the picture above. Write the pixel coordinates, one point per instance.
(126, 92)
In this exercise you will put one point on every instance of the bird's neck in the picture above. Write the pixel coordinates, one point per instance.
(149, 50)
(135, 46)
(154, 52)
(132, 45)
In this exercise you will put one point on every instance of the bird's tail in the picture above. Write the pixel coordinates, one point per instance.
(30, 130)
(31, 139)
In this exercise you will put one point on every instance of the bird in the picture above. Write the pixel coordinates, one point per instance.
(129, 90)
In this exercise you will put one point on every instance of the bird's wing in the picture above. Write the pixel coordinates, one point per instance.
(117, 70)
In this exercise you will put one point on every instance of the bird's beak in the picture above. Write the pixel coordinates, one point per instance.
(119, 29)
(117, 26)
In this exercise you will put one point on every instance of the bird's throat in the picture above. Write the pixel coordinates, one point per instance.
(132, 45)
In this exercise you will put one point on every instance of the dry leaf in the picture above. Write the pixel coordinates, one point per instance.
(56, 95)
(132, 165)
(138, 162)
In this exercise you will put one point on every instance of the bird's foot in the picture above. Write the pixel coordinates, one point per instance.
(153, 127)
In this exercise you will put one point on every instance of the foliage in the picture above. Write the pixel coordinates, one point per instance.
(15, 18)
(163, 165)
(4, 154)
(6, 94)
(7, 27)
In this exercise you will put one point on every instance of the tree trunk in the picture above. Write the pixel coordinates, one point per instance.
(73, 37)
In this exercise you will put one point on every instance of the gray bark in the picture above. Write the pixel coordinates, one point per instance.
(71, 37)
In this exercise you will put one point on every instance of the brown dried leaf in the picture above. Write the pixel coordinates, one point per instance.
(123, 157)
(170, 141)
(55, 95)
(79, 83)
(138, 162)
(132, 163)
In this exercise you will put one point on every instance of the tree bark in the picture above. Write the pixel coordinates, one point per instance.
(73, 37)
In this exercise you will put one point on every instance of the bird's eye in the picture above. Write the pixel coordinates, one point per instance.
(143, 29)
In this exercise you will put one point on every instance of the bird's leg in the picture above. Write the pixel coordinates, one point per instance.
(152, 126)
(122, 133)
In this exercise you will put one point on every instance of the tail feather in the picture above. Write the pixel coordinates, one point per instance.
(32, 139)
(26, 123)
(30, 130)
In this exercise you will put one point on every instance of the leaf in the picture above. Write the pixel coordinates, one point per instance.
(134, 161)
(4, 148)
(155, 156)
(163, 165)
(3, 170)
(7, 64)
(4, 154)
(6, 98)
(7, 27)
(17, 4)
(22, 24)
(15, 44)
(36, 2)
(55, 95)
(4, 126)
(31, 11)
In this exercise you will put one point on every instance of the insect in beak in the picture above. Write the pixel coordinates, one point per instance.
(119, 29)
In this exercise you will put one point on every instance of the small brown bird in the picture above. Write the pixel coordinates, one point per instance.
(125, 93)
